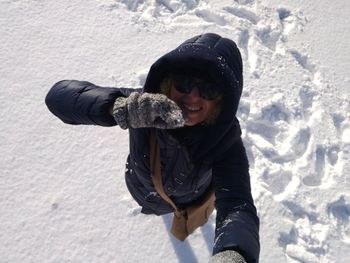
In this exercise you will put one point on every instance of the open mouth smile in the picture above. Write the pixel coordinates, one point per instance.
(190, 108)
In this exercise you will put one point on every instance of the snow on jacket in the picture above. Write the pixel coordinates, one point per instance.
(192, 158)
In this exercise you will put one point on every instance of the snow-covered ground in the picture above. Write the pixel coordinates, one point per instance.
(62, 191)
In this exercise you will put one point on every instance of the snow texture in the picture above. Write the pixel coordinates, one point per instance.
(62, 191)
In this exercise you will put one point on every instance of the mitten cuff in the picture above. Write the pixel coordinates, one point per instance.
(227, 256)
(120, 112)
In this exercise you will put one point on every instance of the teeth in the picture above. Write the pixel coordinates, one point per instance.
(192, 108)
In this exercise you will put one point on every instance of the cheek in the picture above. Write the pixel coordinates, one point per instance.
(174, 95)
(210, 105)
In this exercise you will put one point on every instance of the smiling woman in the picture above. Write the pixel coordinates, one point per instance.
(199, 98)
(183, 122)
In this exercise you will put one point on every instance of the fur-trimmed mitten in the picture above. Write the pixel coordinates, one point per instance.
(147, 110)
(227, 256)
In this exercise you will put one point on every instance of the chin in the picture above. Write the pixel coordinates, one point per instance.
(192, 123)
(189, 124)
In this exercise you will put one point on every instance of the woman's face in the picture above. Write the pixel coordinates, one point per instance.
(195, 108)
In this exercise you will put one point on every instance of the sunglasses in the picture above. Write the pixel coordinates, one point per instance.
(208, 90)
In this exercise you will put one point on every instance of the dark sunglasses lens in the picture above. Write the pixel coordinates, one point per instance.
(207, 90)
(182, 84)
(210, 91)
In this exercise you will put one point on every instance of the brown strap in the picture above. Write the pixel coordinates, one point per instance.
(156, 173)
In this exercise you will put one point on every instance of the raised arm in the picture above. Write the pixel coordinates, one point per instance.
(81, 102)
(237, 224)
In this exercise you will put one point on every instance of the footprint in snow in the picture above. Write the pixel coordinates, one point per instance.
(269, 34)
(307, 96)
(275, 112)
(303, 61)
(132, 5)
(243, 110)
(243, 40)
(304, 241)
(338, 120)
(276, 181)
(158, 8)
(264, 129)
(275, 126)
(245, 2)
(211, 17)
(342, 123)
(339, 211)
(297, 211)
(332, 154)
(274, 29)
(243, 13)
(315, 178)
(290, 150)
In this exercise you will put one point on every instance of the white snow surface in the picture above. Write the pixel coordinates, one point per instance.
(62, 192)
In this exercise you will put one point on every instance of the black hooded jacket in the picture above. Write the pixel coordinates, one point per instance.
(192, 158)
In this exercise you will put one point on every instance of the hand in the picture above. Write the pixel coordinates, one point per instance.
(147, 110)
(227, 256)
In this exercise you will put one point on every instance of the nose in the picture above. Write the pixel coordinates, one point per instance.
(193, 96)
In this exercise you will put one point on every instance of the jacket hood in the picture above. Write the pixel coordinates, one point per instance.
(210, 54)
(215, 56)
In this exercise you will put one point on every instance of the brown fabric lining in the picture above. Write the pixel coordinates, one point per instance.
(186, 220)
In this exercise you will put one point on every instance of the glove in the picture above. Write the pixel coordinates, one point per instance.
(227, 256)
(147, 110)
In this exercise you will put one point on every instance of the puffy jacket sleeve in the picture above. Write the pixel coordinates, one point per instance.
(237, 223)
(81, 102)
